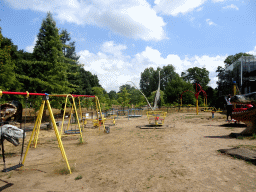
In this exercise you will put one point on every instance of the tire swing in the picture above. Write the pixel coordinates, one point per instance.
(10, 132)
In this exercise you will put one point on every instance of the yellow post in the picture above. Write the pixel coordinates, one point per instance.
(81, 136)
(64, 112)
(234, 88)
(57, 134)
(234, 91)
(99, 108)
(55, 129)
(33, 132)
(38, 123)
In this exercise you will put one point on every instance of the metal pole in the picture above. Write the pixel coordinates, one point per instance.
(241, 71)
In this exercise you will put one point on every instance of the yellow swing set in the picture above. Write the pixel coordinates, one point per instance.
(73, 112)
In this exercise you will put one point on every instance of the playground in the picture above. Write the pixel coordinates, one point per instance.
(180, 156)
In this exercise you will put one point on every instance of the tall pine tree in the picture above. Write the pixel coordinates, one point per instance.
(80, 80)
(48, 49)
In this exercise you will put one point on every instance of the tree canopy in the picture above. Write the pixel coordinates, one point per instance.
(197, 75)
(232, 58)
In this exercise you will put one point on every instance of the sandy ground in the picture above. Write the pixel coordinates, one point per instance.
(182, 156)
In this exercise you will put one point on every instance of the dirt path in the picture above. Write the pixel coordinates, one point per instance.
(180, 157)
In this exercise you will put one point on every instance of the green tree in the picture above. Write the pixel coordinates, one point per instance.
(48, 48)
(128, 87)
(174, 90)
(197, 75)
(166, 75)
(150, 78)
(113, 95)
(7, 75)
(100, 93)
(69, 50)
(152, 98)
(232, 58)
(148, 83)
(124, 98)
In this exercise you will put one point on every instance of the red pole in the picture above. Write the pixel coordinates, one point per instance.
(22, 93)
(40, 94)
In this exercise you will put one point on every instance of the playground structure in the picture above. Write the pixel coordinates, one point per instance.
(96, 121)
(247, 116)
(198, 91)
(133, 113)
(97, 118)
(35, 132)
(156, 117)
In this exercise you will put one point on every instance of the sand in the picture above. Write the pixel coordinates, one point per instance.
(181, 156)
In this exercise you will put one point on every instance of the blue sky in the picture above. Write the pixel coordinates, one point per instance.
(118, 39)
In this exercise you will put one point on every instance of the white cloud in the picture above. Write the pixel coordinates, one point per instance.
(110, 47)
(115, 70)
(120, 16)
(111, 65)
(253, 52)
(209, 22)
(199, 9)
(232, 6)
(176, 7)
(30, 48)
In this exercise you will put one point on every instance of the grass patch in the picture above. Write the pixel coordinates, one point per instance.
(240, 137)
(150, 177)
(78, 177)
(64, 171)
(251, 147)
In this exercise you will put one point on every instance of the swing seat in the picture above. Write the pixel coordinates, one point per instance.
(75, 131)
(13, 167)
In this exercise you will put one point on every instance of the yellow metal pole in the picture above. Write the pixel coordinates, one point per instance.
(63, 118)
(71, 112)
(81, 114)
(81, 136)
(234, 88)
(99, 108)
(33, 132)
(38, 123)
(80, 108)
(234, 91)
(57, 134)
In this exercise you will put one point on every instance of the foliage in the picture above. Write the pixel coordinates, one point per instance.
(174, 90)
(48, 48)
(150, 79)
(151, 99)
(99, 92)
(112, 95)
(148, 83)
(197, 75)
(232, 58)
(7, 75)
(78, 177)
(167, 74)
(124, 98)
